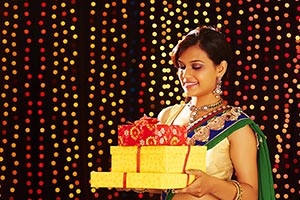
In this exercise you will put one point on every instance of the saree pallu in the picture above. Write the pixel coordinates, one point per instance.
(215, 127)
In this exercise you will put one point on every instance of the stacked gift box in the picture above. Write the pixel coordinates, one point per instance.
(150, 155)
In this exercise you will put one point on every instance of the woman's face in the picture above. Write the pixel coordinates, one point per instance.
(197, 73)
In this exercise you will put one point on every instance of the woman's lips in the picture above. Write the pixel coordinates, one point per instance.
(190, 84)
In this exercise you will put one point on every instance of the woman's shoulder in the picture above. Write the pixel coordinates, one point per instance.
(238, 114)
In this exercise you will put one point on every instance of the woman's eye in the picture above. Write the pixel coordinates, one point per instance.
(197, 66)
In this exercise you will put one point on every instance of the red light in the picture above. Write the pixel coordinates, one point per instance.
(43, 4)
(41, 23)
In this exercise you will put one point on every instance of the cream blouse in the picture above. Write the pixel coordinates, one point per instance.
(218, 162)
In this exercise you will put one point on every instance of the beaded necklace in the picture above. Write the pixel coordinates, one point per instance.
(195, 110)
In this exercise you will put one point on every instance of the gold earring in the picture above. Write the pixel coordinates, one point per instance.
(218, 91)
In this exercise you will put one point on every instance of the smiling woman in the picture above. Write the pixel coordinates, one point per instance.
(202, 59)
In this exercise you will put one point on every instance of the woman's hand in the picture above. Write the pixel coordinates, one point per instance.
(201, 186)
(123, 189)
(139, 190)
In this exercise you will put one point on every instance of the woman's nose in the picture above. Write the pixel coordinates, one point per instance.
(187, 72)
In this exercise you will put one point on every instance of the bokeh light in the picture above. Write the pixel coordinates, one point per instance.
(71, 71)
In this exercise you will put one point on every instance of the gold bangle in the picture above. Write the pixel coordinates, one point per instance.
(239, 190)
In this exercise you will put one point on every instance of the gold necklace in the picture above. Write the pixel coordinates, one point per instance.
(195, 110)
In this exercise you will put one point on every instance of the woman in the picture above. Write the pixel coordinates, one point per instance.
(238, 165)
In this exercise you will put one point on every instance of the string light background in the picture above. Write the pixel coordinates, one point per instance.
(71, 71)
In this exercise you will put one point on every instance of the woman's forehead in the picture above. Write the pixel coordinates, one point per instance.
(193, 53)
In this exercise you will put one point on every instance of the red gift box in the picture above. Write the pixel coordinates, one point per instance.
(148, 132)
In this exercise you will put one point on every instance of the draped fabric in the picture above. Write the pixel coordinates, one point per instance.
(217, 126)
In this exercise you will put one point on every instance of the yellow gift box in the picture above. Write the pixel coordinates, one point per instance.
(157, 159)
(140, 180)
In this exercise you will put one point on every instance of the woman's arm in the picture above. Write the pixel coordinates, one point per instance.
(243, 152)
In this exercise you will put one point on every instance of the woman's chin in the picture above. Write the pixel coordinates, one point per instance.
(189, 93)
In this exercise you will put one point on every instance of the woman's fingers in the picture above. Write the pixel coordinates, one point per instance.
(196, 172)
(195, 187)
(123, 189)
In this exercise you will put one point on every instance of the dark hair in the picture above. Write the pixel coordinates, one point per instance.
(210, 40)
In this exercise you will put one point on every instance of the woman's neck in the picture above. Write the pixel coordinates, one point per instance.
(199, 102)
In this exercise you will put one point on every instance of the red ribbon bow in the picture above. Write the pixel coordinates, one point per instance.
(145, 120)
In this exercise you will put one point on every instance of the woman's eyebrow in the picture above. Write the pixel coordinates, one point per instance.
(196, 61)
(191, 61)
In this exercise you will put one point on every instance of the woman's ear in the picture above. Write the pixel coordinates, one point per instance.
(221, 68)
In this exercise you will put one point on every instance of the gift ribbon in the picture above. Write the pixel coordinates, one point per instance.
(186, 158)
(138, 159)
(187, 180)
(124, 179)
(143, 121)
